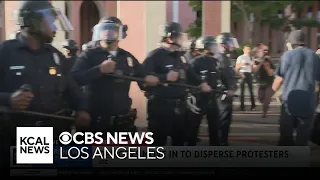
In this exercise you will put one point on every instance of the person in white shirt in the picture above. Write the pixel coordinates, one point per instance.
(244, 66)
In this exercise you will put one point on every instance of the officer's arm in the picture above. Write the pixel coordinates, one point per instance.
(4, 96)
(228, 75)
(191, 73)
(138, 68)
(150, 65)
(77, 99)
(83, 72)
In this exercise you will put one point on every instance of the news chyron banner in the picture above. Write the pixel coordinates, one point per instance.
(36, 148)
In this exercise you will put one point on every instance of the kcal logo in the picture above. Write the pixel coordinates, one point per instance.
(34, 145)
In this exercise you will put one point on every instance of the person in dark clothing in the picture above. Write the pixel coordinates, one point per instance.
(32, 77)
(300, 75)
(70, 52)
(265, 68)
(207, 67)
(109, 101)
(226, 44)
(191, 53)
(167, 105)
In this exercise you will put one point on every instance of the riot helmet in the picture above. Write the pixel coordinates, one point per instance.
(109, 29)
(207, 43)
(227, 42)
(41, 20)
(171, 33)
(70, 47)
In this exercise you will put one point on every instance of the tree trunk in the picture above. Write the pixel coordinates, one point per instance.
(247, 30)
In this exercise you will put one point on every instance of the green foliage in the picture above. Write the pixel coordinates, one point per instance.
(196, 5)
(267, 12)
(195, 29)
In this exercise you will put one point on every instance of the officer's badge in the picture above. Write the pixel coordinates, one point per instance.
(130, 61)
(183, 59)
(182, 74)
(56, 58)
(52, 71)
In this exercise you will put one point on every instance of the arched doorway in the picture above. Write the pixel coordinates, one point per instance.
(89, 16)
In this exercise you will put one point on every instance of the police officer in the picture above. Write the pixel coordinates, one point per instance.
(109, 101)
(167, 108)
(191, 53)
(226, 44)
(70, 50)
(207, 67)
(31, 61)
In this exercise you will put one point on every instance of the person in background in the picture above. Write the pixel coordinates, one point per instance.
(191, 53)
(244, 66)
(299, 73)
(265, 69)
(70, 50)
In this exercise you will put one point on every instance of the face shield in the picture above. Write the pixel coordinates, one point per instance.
(107, 32)
(55, 20)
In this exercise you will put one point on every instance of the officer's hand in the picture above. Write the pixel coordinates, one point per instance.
(230, 93)
(151, 80)
(107, 66)
(82, 118)
(204, 87)
(20, 100)
(172, 76)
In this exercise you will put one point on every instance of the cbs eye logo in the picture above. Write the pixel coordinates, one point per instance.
(65, 138)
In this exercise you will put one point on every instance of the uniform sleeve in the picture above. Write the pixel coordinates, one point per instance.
(149, 65)
(4, 96)
(229, 75)
(75, 97)
(283, 65)
(83, 72)
(138, 68)
(191, 71)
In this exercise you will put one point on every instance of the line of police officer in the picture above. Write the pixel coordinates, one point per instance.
(31, 61)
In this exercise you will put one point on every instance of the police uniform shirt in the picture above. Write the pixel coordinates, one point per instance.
(207, 67)
(40, 69)
(106, 94)
(159, 62)
(227, 70)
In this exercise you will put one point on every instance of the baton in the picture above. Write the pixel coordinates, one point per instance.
(163, 83)
(11, 111)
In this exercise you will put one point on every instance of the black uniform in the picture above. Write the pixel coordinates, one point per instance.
(108, 97)
(50, 85)
(225, 104)
(208, 68)
(167, 106)
(71, 58)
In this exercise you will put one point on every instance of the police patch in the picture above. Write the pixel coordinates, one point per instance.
(52, 71)
(56, 58)
(130, 61)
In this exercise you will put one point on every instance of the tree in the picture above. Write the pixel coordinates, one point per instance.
(267, 12)
(195, 29)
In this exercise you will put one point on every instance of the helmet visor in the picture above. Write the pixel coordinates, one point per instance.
(231, 43)
(55, 20)
(107, 32)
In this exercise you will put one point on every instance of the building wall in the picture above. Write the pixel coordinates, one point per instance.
(186, 14)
